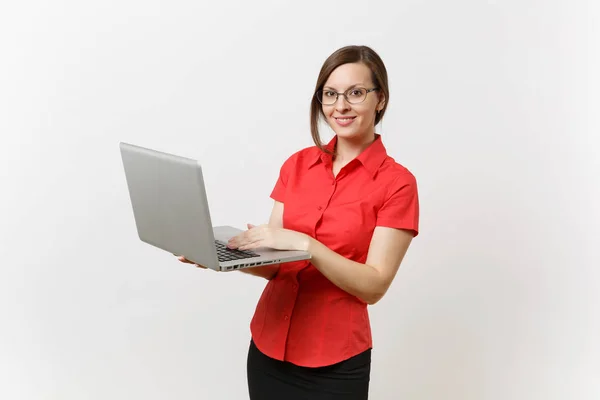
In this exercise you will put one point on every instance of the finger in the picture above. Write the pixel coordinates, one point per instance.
(200, 266)
(251, 245)
(241, 239)
(246, 242)
(250, 226)
(234, 242)
(238, 239)
(184, 260)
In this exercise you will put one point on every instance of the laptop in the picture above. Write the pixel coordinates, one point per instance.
(170, 209)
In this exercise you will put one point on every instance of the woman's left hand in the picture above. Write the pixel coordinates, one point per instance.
(267, 236)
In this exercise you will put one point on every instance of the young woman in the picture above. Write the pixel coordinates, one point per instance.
(356, 211)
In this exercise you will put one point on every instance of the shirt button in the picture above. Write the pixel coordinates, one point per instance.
(319, 208)
(286, 317)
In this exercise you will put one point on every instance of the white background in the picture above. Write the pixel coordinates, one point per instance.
(494, 107)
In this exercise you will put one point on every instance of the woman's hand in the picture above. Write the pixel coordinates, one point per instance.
(268, 236)
(185, 260)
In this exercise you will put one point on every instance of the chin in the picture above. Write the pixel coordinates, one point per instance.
(354, 131)
(350, 133)
(347, 134)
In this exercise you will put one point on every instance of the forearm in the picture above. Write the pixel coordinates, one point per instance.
(360, 280)
(266, 271)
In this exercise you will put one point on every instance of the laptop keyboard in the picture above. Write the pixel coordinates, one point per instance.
(224, 253)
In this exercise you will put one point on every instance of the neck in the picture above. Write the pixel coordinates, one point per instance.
(349, 149)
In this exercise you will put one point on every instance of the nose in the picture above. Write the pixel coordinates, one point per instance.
(341, 104)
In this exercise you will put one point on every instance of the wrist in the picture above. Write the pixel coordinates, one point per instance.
(306, 243)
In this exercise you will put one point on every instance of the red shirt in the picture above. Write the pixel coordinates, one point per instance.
(301, 316)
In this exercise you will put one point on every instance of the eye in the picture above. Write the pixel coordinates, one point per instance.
(329, 93)
(356, 93)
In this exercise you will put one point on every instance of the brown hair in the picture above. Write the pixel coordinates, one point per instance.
(346, 55)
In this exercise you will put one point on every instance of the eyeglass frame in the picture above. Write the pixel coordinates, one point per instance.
(337, 95)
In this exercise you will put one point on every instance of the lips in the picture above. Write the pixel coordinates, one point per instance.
(344, 121)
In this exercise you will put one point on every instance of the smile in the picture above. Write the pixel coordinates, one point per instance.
(344, 121)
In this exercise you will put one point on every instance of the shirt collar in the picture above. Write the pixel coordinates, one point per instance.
(371, 158)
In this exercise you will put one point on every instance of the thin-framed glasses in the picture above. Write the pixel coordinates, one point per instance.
(355, 95)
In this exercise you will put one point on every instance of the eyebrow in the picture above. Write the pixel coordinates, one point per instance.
(350, 87)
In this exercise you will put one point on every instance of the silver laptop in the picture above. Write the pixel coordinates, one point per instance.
(171, 212)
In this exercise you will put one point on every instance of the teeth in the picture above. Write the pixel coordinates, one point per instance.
(344, 119)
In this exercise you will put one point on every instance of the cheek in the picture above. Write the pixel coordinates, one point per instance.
(367, 115)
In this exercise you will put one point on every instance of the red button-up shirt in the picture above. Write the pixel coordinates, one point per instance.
(301, 316)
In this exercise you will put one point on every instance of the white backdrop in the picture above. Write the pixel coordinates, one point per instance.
(494, 107)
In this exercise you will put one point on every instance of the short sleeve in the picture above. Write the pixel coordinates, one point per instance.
(280, 189)
(401, 209)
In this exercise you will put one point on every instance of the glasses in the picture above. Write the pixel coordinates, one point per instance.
(353, 96)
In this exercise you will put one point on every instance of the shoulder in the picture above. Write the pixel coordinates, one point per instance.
(395, 175)
(302, 157)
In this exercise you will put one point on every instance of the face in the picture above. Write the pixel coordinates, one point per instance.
(352, 121)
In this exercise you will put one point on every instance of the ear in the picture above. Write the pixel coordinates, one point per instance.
(381, 103)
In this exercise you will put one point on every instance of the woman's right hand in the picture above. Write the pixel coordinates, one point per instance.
(185, 260)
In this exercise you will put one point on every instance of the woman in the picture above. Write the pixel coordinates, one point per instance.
(356, 211)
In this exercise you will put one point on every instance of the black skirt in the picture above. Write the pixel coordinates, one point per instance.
(270, 379)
